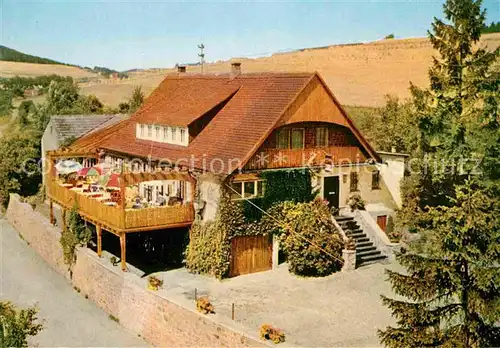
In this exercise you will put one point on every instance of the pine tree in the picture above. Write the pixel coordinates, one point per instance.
(452, 279)
(453, 290)
(458, 120)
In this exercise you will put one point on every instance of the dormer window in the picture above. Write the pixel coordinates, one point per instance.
(164, 134)
(183, 135)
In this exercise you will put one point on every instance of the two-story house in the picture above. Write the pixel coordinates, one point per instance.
(198, 132)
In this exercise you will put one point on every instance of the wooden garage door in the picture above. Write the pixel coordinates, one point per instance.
(250, 254)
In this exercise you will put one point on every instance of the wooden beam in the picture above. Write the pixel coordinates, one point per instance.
(51, 208)
(63, 219)
(134, 178)
(123, 248)
(99, 240)
(159, 227)
(54, 154)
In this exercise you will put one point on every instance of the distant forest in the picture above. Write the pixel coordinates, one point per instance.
(10, 55)
(492, 28)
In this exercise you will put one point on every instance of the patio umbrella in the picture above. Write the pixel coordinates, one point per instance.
(83, 171)
(67, 167)
(113, 180)
(94, 171)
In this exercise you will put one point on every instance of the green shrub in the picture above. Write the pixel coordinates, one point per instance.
(310, 239)
(75, 234)
(355, 202)
(17, 324)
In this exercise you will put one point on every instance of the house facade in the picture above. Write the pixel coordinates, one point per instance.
(198, 135)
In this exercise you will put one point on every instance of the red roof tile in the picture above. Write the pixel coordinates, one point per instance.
(254, 104)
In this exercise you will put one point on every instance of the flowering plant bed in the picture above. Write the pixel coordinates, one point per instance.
(204, 306)
(154, 283)
(268, 332)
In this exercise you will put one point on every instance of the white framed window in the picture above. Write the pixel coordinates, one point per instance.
(321, 137)
(150, 131)
(174, 134)
(183, 135)
(247, 189)
(157, 132)
(142, 130)
(165, 133)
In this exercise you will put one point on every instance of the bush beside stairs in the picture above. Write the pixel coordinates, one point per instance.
(366, 251)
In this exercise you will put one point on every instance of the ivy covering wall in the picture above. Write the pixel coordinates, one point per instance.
(209, 250)
(280, 186)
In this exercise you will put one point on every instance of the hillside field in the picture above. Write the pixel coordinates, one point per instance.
(11, 69)
(358, 74)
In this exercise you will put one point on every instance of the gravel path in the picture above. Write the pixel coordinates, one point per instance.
(341, 310)
(70, 319)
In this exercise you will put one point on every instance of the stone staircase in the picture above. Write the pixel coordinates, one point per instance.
(366, 251)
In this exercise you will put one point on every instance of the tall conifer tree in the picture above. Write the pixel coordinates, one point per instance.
(453, 290)
(452, 279)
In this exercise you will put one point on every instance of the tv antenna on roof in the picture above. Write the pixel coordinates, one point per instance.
(201, 55)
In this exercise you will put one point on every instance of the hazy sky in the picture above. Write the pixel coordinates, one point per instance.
(146, 34)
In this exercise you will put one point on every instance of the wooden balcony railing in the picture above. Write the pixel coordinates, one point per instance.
(290, 158)
(117, 219)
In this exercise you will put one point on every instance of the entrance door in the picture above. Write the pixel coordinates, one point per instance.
(331, 190)
(250, 254)
(382, 222)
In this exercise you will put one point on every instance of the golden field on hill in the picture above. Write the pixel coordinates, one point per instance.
(358, 74)
(11, 69)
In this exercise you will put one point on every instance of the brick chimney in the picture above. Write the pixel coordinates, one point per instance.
(235, 68)
(181, 69)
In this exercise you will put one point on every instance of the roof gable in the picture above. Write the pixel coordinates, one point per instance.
(75, 126)
(178, 101)
(255, 104)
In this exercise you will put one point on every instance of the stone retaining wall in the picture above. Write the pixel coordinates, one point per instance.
(160, 318)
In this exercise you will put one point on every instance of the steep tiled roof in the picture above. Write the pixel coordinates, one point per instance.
(75, 126)
(250, 107)
(255, 102)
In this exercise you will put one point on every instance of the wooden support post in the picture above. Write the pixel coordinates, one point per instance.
(51, 208)
(99, 240)
(123, 200)
(123, 244)
(63, 213)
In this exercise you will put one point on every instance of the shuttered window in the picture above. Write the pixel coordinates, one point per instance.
(321, 137)
(375, 180)
(354, 182)
(283, 139)
(298, 138)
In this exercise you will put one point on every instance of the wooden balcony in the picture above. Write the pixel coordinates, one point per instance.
(115, 218)
(314, 157)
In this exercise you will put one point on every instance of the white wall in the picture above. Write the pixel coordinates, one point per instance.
(50, 141)
(392, 171)
(210, 191)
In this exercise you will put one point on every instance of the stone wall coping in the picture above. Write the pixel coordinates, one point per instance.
(177, 300)
(19, 212)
